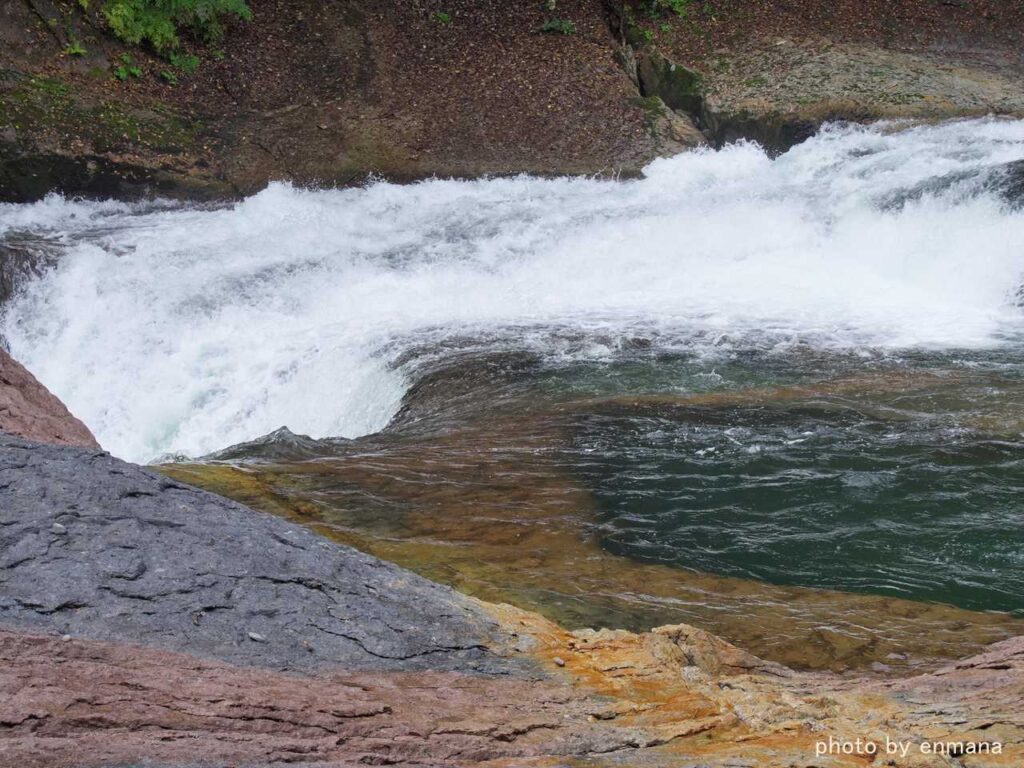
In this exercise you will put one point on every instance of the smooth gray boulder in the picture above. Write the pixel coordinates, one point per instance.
(93, 547)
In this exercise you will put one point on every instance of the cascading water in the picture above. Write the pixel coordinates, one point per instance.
(181, 329)
(806, 371)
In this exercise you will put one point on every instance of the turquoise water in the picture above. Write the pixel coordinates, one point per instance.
(909, 488)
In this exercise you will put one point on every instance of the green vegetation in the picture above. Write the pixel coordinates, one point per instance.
(36, 105)
(159, 23)
(661, 7)
(186, 62)
(126, 68)
(645, 17)
(558, 26)
(74, 47)
(684, 9)
(441, 17)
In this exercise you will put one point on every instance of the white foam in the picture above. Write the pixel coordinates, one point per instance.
(176, 329)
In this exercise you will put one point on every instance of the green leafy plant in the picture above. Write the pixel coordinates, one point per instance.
(558, 26)
(160, 22)
(186, 62)
(660, 7)
(126, 68)
(74, 47)
(169, 77)
(441, 17)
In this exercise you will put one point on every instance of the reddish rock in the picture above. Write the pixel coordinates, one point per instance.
(30, 410)
(80, 703)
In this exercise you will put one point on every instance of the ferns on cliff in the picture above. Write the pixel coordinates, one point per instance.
(160, 22)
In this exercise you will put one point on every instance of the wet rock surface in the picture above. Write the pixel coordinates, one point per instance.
(472, 509)
(21, 259)
(97, 548)
(147, 622)
(29, 410)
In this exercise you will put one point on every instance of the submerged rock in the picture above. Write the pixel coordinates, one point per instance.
(143, 559)
(21, 259)
(281, 444)
(1011, 185)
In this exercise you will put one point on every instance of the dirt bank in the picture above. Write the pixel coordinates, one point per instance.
(333, 93)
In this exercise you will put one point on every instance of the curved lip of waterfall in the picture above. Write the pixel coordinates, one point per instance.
(775, 247)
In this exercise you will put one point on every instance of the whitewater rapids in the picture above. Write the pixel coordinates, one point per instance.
(180, 329)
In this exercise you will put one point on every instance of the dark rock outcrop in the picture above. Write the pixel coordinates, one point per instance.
(1012, 184)
(21, 259)
(29, 410)
(97, 548)
(677, 86)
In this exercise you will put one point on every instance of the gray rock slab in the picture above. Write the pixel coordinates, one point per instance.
(93, 547)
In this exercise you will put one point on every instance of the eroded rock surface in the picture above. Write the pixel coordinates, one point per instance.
(675, 696)
(30, 410)
(97, 548)
(99, 704)
(455, 508)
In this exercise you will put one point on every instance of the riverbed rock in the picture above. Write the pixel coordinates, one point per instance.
(164, 625)
(86, 703)
(30, 410)
(21, 259)
(610, 698)
(779, 94)
(141, 558)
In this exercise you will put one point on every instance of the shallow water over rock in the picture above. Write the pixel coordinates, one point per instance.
(608, 510)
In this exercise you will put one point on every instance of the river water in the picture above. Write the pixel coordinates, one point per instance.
(740, 391)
